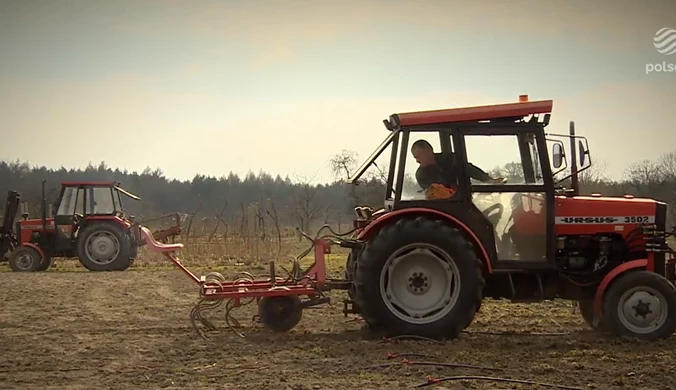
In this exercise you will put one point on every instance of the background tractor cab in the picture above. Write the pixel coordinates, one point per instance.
(88, 222)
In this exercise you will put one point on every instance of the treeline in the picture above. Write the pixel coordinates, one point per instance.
(292, 202)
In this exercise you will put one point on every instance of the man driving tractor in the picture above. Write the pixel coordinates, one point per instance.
(437, 173)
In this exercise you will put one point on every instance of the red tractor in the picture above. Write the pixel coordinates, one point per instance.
(429, 257)
(88, 223)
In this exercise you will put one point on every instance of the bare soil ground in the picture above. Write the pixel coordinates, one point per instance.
(131, 330)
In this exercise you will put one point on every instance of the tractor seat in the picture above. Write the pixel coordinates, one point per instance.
(155, 246)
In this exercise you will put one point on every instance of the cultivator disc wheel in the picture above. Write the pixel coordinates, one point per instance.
(280, 313)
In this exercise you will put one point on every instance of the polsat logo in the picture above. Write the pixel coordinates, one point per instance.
(665, 41)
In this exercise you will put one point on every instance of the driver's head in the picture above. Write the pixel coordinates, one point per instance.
(423, 153)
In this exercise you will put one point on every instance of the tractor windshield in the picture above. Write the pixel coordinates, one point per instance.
(372, 158)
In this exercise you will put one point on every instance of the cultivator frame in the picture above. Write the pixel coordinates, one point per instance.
(279, 304)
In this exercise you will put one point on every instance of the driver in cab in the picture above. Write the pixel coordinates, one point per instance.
(438, 174)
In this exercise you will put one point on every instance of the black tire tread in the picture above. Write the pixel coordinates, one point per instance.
(35, 266)
(586, 308)
(449, 238)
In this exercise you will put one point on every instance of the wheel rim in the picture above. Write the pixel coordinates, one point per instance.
(642, 310)
(420, 283)
(24, 261)
(102, 247)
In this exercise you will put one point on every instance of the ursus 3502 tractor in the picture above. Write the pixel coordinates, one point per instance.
(88, 223)
(432, 254)
(450, 235)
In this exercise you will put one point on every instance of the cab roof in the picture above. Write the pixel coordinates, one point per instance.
(470, 114)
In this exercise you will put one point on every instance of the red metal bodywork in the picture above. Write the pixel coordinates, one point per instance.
(617, 271)
(391, 216)
(597, 206)
(474, 113)
(314, 278)
(29, 226)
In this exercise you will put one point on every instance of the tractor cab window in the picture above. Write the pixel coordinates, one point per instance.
(513, 157)
(518, 218)
(100, 201)
(72, 202)
(425, 151)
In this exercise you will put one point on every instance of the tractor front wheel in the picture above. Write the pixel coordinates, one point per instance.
(419, 277)
(641, 304)
(104, 247)
(25, 259)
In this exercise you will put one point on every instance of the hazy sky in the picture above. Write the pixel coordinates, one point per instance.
(216, 86)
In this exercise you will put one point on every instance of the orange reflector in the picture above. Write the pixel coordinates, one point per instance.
(523, 98)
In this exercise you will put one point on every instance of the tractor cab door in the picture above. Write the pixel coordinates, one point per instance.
(101, 201)
(68, 214)
(448, 193)
(519, 210)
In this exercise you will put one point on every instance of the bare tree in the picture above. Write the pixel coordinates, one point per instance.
(594, 179)
(305, 203)
(343, 164)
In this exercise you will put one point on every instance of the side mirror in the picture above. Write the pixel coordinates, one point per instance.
(557, 155)
(584, 153)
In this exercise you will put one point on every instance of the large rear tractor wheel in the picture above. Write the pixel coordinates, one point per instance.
(104, 247)
(26, 259)
(641, 304)
(350, 270)
(419, 277)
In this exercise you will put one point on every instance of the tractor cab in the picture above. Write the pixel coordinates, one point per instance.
(88, 222)
(83, 201)
(491, 171)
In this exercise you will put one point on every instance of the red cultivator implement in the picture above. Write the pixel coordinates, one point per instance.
(280, 306)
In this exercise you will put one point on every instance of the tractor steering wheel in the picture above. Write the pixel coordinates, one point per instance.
(491, 210)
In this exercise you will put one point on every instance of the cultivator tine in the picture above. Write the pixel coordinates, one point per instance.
(203, 305)
(196, 315)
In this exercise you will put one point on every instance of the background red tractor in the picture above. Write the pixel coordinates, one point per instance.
(88, 222)
(425, 262)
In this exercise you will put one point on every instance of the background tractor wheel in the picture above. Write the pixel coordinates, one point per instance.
(104, 247)
(419, 277)
(280, 313)
(641, 304)
(45, 264)
(587, 311)
(25, 259)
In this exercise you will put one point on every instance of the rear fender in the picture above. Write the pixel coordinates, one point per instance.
(394, 216)
(610, 277)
